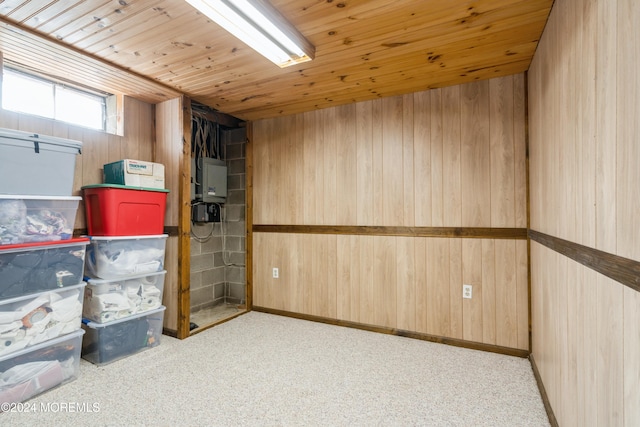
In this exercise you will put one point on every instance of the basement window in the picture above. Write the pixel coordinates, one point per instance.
(27, 93)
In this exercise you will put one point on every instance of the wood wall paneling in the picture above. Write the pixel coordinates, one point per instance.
(472, 308)
(583, 105)
(492, 322)
(437, 287)
(435, 197)
(631, 367)
(364, 195)
(451, 157)
(405, 283)
(169, 152)
(423, 132)
(452, 182)
(628, 128)
(603, 30)
(386, 175)
(475, 154)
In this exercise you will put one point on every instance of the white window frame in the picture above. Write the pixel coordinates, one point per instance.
(58, 85)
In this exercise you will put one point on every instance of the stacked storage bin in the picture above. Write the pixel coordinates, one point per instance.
(123, 312)
(41, 265)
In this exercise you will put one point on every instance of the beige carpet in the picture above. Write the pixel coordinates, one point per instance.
(261, 369)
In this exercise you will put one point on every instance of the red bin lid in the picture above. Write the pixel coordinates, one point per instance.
(35, 245)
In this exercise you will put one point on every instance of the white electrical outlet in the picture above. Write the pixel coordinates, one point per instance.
(467, 291)
(276, 272)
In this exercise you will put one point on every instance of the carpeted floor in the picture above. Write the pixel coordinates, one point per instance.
(261, 369)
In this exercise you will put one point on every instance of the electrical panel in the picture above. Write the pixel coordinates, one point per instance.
(205, 212)
(211, 181)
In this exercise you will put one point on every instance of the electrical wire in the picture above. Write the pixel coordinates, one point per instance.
(201, 239)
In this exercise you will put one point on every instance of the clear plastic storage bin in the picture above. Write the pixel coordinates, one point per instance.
(25, 219)
(118, 257)
(108, 342)
(34, 370)
(37, 267)
(109, 300)
(36, 164)
(33, 319)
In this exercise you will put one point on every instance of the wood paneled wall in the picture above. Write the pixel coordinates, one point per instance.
(98, 147)
(452, 157)
(445, 157)
(584, 107)
(169, 128)
(413, 284)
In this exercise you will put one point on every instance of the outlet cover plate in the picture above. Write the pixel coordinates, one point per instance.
(467, 291)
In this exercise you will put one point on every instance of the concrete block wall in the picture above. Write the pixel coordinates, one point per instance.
(218, 249)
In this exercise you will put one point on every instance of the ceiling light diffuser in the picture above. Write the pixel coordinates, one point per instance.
(261, 27)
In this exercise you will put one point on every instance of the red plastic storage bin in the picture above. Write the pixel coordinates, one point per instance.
(119, 210)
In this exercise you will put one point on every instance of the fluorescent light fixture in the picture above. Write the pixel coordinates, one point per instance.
(261, 27)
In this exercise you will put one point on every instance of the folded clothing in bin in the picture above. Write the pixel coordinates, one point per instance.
(31, 320)
(115, 257)
(36, 267)
(106, 301)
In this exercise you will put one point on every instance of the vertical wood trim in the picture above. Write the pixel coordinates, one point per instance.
(249, 215)
(520, 138)
(184, 218)
(527, 172)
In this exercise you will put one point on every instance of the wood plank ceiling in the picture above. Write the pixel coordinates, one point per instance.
(156, 49)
